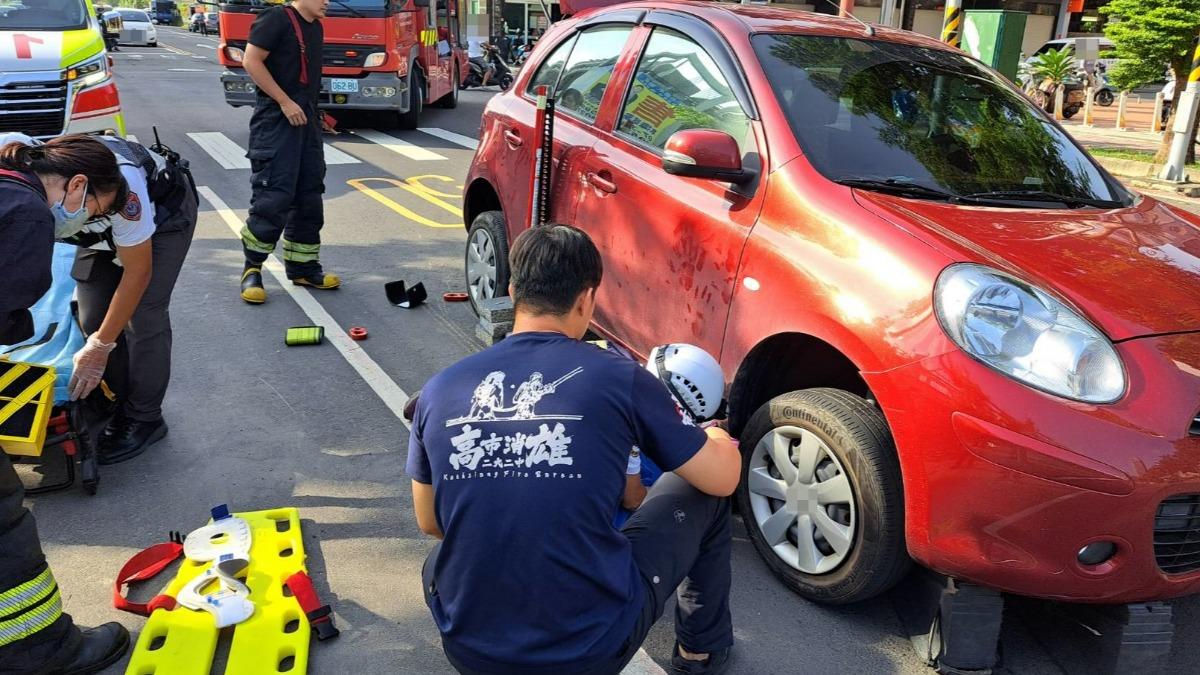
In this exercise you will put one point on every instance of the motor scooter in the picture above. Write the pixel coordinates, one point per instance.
(501, 74)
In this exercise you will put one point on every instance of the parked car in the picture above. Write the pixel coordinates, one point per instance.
(1105, 45)
(949, 335)
(210, 18)
(136, 28)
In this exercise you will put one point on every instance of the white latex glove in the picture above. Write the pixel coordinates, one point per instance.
(89, 367)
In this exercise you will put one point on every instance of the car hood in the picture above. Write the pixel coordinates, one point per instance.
(1132, 271)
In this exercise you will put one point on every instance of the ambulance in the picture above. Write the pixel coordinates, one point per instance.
(55, 75)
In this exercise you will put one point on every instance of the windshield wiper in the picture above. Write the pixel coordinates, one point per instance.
(899, 187)
(1043, 196)
(348, 8)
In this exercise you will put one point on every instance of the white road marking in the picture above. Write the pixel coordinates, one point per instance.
(335, 156)
(459, 139)
(388, 391)
(186, 70)
(133, 56)
(413, 152)
(167, 56)
(218, 146)
(198, 44)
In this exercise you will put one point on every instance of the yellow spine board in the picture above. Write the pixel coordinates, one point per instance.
(182, 641)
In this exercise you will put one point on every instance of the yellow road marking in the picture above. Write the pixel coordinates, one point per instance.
(417, 188)
(178, 50)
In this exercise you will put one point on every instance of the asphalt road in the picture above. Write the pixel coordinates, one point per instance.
(258, 425)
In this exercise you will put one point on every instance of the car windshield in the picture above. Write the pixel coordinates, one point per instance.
(866, 110)
(133, 15)
(43, 14)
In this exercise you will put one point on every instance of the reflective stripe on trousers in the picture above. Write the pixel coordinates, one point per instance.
(29, 608)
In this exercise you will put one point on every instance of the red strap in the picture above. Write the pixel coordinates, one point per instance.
(142, 566)
(320, 616)
(292, 13)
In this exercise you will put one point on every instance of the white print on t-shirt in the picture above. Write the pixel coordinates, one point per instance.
(548, 446)
(520, 450)
(487, 401)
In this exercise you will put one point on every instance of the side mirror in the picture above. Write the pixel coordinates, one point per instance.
(704, 153)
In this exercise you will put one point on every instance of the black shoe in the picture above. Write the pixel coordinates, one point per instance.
(113, 430)
(99, 648)
(136, 437)
(715, 664)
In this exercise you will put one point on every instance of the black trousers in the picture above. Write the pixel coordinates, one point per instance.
(21, 561)
(682, 543)
(287, 179)
(139, 369)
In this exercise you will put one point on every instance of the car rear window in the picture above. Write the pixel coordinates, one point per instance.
(883, 111)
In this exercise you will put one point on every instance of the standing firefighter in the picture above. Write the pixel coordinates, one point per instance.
(287, 159)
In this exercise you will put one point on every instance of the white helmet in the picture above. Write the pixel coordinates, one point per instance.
(693, 377)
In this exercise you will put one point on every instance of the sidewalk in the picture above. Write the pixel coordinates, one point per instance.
(1137, 137)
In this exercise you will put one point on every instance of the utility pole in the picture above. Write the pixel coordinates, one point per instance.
(952, 24)
(1187, 104)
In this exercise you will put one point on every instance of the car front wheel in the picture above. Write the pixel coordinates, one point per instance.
(821, 495)
(486, 260)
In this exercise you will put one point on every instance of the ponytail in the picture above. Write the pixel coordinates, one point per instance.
(68, 156)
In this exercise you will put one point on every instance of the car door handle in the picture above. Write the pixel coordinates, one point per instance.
(601, 183)
(512, 138)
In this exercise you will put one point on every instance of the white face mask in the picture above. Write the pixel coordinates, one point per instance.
(67, 223)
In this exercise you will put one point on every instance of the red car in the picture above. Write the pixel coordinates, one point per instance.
(949, 335)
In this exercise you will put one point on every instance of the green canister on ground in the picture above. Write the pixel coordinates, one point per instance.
(304, 335)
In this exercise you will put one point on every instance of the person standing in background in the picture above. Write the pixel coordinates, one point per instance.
(287, 158)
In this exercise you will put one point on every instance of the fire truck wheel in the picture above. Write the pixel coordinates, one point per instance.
(410, 118)
(450, 100)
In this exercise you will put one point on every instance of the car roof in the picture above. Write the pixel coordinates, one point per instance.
(765, 19)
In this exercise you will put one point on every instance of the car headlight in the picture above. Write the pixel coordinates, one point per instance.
(375, 59)
(87, 73)
(1026, 334)
(234, 54)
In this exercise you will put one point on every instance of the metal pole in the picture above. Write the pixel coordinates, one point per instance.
(952, 24)
(1186, 106)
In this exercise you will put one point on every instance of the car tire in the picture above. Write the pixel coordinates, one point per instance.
(450, 101)
(843, 445)
(485, 260)
(411, 118)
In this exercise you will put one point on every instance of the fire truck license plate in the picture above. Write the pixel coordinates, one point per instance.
(343, 86)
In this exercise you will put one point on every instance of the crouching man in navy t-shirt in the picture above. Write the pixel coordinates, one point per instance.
(518, 457)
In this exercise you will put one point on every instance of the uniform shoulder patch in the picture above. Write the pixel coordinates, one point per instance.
(133, 208)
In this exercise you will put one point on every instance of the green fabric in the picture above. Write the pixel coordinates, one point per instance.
(300, 253)
(253, 243)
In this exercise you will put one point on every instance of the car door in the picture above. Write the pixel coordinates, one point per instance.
(586, 58)
(671, 245)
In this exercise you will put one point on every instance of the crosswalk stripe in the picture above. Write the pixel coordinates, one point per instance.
(335, 156)
(413, 152)
(218, 146)
(459, 139)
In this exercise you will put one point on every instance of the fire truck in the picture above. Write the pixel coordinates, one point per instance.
(385, 55)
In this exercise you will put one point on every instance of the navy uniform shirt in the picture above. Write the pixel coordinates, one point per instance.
(526, 446)
(26, 248)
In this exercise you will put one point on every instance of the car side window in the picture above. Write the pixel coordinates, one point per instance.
(589, 70)
(679, 86)
(547, 73)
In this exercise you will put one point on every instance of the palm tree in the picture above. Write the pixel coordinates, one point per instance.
(1047, 73)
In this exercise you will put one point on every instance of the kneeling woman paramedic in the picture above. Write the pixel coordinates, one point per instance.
(126, 270)
(44, 189)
